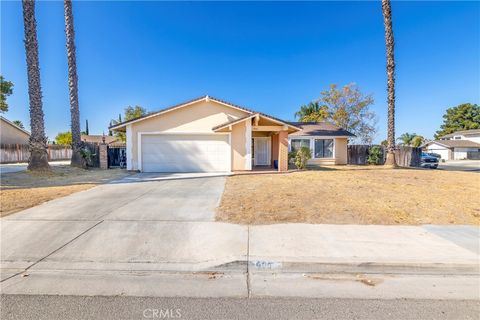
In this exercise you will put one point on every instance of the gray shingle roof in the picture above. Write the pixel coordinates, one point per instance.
(472, 132)
(456, 143)
(320, 129)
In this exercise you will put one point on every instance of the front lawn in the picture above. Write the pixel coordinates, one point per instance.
(353, 195)
(22, 190)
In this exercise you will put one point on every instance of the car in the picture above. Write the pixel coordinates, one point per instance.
(428, 161)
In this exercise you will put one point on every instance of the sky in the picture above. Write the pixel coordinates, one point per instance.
(272, 57)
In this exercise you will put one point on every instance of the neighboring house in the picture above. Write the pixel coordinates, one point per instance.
(456, 146)
(210, 135)
(99, 139)
(327, 142)
(471, 135)
(11, 133)
(453, 149)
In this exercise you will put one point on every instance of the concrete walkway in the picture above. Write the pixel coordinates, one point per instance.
(152, 236)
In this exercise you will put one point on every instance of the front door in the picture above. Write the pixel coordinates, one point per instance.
(261, 150)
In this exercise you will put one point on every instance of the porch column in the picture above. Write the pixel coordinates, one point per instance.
(283, 151)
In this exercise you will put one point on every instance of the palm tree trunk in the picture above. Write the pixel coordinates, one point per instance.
(390, 44)
(38, 141)
(77, 160)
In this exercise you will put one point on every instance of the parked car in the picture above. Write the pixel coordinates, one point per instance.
(428, 161)
(436, 155)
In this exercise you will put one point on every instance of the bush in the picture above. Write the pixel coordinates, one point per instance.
(375, 154)
(302, 155)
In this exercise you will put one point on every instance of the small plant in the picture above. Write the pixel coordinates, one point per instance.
(302, 155)
(375, 154)
(87, 156)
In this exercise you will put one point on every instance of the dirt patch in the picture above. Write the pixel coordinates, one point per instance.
(23, 190)
(353, 195)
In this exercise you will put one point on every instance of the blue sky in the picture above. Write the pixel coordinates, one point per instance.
(268, 56)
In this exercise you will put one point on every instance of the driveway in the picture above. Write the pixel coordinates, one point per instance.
(460, 165)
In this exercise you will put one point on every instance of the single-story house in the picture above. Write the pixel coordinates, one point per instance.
(211, 135)
(10, 133)
(452, 149)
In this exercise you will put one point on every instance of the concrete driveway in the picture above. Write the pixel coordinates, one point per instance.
(460, 165)
(142, 222)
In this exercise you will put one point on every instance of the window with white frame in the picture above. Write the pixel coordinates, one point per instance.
(323, 148)
(296, 144)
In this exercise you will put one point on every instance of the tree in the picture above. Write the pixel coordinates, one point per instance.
(417, 141)
(134, 112)
(77, 159)
(312, 112)
(38, 141)
(64, 138)
(6, 89)
(86, 132)
(347, 107)
(407, 138)
(390, 46)
(465, 116)
(130, 113)
(18, 123)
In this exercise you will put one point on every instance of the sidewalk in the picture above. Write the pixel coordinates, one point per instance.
(431, 262)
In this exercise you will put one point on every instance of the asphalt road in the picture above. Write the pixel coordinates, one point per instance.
(77, 307)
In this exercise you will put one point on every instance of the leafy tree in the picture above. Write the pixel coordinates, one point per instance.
(64, 138)
(390, 46)
(6, 89)
(312, 112)
(384, 143)
(86, 128)
(134, 112)
(465, 116)
(130, 114)
(18, 123)
(347, 107)
(38, 140)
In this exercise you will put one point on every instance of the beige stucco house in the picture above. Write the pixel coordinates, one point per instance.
(211, 135)
(11, 133)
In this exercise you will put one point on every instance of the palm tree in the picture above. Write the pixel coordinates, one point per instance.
(38, 141)
(417, 141)
(407, 138)
(312, 112)
(390, 44)
(77, 159)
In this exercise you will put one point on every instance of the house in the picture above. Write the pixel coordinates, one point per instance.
(11, 133)
(327, 142)
(471, 135)
(453, 149)
(211, 135)
(99, 139)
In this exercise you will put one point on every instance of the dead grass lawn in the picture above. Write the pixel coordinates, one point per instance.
(353, 196)
(22, 190)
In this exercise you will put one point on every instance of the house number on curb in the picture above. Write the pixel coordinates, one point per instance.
(266, 264)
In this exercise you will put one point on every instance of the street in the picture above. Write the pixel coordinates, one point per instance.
(81, 307)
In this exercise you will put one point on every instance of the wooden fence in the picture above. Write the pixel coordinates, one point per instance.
(10, 153)
(404, 156)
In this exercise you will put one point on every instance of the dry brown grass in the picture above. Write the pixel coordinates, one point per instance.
(23, 190)
(353, 196)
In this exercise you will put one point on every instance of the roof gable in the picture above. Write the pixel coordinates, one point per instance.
(179, 106)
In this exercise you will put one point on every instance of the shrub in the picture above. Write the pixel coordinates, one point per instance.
(375, 154)
(87, 156)
(302, 155)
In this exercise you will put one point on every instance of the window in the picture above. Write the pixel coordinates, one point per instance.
(296, 144)
(323, 148)
(457, 138)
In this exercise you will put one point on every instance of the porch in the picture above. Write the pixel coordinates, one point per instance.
(259, 143)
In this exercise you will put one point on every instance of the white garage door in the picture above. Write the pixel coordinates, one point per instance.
(185, 153)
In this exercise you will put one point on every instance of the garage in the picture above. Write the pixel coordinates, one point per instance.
(185, 153)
